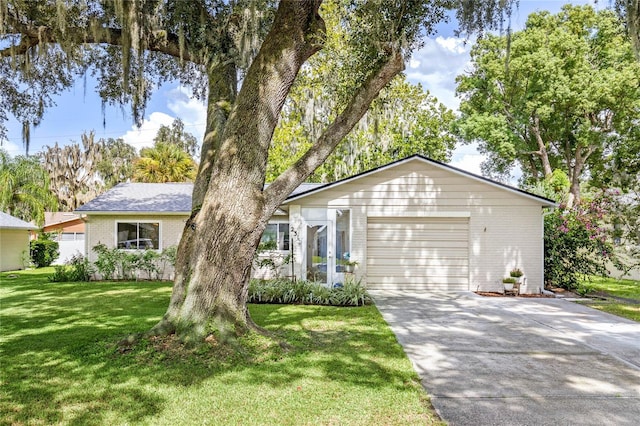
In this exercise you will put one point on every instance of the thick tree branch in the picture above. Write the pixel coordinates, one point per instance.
(32, 36)
(335, 132)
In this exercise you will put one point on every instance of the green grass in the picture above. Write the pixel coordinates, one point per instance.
(622, 297)
(61, 365)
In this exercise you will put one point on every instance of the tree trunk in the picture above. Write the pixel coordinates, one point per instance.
(575, 173)
(220, 239)
(216, 251)
(542, 149)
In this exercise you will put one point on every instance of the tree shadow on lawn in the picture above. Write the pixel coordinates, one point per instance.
(61, 363)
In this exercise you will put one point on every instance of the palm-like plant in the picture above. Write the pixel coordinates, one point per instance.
(24, 188)
(164, 162)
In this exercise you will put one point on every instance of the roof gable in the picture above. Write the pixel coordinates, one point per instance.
(516, 191)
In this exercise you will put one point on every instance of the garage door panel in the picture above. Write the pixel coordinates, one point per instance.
(420, 236)
(425, 262)
(377, 252)
(407, 243)
(418, 253)
(408, 229)
(422, 281)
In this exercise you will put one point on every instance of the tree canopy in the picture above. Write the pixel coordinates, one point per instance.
(561, 93)
(242, 57)
(175, 134)
(24, 188)
(403, 120)
(164, 162)
(73, 170)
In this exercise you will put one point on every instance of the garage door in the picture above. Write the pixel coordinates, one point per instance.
(418, 253)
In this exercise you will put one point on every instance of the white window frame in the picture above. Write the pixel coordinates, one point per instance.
(280, 222)
(138, 222)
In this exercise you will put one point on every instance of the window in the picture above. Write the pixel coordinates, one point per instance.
(343, 241)
(138, 235)
(275, 237)
(70, 236)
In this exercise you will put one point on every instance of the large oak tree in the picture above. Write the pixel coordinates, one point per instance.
(242, 57)
(560, 94)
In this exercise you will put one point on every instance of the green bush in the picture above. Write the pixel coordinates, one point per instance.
(78, 268)
(352, 293)
(577, 244)
(107, 262)
(117, 264)
(43, 250)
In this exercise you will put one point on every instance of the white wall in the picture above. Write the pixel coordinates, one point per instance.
(14, 244)
(505, 228)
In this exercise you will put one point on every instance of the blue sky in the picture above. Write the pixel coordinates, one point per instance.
(435, 66)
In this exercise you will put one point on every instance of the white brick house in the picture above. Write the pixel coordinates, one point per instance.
(414, 224)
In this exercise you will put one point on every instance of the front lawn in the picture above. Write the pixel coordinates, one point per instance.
(60, 363)
(618, 297)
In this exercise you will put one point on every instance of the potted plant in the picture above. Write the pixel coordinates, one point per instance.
(508, 283)
(348, 265)
(516, 273)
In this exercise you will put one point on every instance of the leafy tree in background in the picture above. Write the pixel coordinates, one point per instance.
(117, 162)
(210, 46)
(73, 170)
(402, 121)
(559, 94)
(175, 134)
(164, 162)
(24, 188)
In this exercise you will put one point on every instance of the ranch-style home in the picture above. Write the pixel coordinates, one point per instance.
(413, 225)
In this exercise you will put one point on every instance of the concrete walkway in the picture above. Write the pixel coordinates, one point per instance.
(518, 361)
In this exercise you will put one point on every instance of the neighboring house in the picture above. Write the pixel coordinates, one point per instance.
(14, 242)
(69, 230)
(134, 216)
(413, 225)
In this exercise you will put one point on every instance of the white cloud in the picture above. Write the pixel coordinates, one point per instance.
(191, 111)
(13, 149)
(467, 157)
(437, 64)
(142, 137)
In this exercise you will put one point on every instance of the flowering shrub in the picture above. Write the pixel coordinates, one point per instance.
(576, 242)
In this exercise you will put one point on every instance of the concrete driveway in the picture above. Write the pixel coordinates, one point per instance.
(518, 361)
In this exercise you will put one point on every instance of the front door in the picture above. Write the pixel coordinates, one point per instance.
(319, 256)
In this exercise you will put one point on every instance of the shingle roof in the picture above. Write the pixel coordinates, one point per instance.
(9, 222)
(143, 197)
(153, 197)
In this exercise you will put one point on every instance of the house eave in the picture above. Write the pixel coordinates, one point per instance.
(545, 202)
(131, 213)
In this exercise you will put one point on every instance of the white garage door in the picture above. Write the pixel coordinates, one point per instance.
(418, 253)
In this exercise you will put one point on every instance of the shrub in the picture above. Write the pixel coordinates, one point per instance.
(114, 264)
(78, 268)
(148, 263)
(43, 250)
(352, 293)
(107, 262)
(576, 243)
